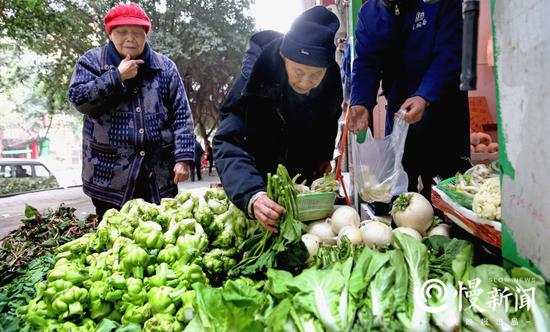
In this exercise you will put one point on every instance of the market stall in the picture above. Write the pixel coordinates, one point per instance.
(195, 263)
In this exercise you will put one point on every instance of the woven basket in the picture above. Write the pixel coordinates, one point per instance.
(485, 232)
(458, 197)
(314, 206)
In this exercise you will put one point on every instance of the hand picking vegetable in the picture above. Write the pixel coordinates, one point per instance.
(264, 249)
(344, 216)
(376, 234)
(413, 210)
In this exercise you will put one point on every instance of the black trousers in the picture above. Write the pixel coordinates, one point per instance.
(195, 169)
(210, 165)
(142, 190)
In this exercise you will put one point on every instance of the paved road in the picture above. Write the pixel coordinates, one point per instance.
(12, 208)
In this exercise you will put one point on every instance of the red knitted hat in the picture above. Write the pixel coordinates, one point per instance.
(127, 14)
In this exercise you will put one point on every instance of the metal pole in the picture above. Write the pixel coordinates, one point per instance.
(470, 14)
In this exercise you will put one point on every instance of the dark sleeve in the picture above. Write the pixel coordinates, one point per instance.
(182, 126)
(444, 72)
(90, 89)
(375, 30)
(236, 167)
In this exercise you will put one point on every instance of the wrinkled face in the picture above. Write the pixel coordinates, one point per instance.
(129, 40)
(303, 78)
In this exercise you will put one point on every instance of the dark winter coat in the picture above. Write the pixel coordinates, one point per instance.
(143, 125)
(416, 53)
(265, 124)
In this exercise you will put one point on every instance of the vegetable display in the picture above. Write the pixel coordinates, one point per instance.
(195, 263)
(20, 290)
(40, 234)
(138, 269)
(487, 202)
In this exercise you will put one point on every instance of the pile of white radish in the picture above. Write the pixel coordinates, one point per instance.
(411, 212)
(343, 222)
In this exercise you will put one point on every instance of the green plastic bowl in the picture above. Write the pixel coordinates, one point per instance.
(315, 206)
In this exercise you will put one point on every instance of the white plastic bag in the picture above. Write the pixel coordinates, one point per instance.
(379, 173)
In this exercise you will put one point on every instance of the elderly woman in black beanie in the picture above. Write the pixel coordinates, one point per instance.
(283, 109)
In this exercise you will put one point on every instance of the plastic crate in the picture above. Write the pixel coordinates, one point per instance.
(314, 206)
(458, 197)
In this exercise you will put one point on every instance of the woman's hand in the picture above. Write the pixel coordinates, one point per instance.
(181, 171)
(267, 212)
(128, 68)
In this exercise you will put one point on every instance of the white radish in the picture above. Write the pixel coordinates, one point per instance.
(376, 234)
(441, 229)
(312, 244)
(344, 216)
(352, 233)
(409, 231)
(413, 210)
(323, 231)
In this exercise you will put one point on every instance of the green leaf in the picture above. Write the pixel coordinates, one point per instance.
(107, 325)
(30, 212)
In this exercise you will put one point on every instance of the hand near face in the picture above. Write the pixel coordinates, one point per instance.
(128, 68)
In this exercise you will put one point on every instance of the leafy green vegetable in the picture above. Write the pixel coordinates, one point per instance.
(40, 234)
(327, 183)
(486, 275)
(416, 257)
(21, 290)
(231, 308)
(268, 250)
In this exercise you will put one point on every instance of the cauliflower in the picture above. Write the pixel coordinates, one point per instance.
(487, 201)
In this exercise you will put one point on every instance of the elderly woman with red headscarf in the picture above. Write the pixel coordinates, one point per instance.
(138, 136)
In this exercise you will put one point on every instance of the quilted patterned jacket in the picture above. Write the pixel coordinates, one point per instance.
(142, 124)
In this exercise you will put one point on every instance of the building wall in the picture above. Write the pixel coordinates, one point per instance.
(522, 46)
(306, 4)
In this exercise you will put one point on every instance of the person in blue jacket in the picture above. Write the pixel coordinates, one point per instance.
(414, 49)
(283, 109)
(138, 127)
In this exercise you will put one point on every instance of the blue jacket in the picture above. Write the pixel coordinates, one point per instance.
(415, 53)
(262, 128)
(144, 124)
